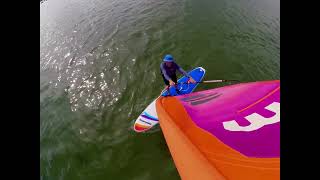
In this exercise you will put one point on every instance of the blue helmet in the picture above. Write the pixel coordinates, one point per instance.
(168, 58)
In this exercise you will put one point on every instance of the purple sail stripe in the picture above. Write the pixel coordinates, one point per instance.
(147, 117)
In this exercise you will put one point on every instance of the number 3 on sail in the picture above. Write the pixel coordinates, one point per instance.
(257, 121)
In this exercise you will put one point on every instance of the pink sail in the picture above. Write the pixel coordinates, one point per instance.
(234, 129)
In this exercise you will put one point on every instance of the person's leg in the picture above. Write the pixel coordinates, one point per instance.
(176, 89)
(174, 78)
(171, 91)
(166, 82)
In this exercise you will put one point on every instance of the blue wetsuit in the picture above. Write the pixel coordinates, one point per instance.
(170, 72)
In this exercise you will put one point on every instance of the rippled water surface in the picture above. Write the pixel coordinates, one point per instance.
(99, 69)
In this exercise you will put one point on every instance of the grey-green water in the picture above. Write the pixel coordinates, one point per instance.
(99, 68)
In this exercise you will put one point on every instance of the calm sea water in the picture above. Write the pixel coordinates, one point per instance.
(99, 69)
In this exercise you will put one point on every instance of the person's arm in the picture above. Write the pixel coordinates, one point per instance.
(165, 73)
(182, 71)
(186, 74)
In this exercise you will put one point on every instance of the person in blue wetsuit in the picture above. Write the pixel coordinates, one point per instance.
(168, 70)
